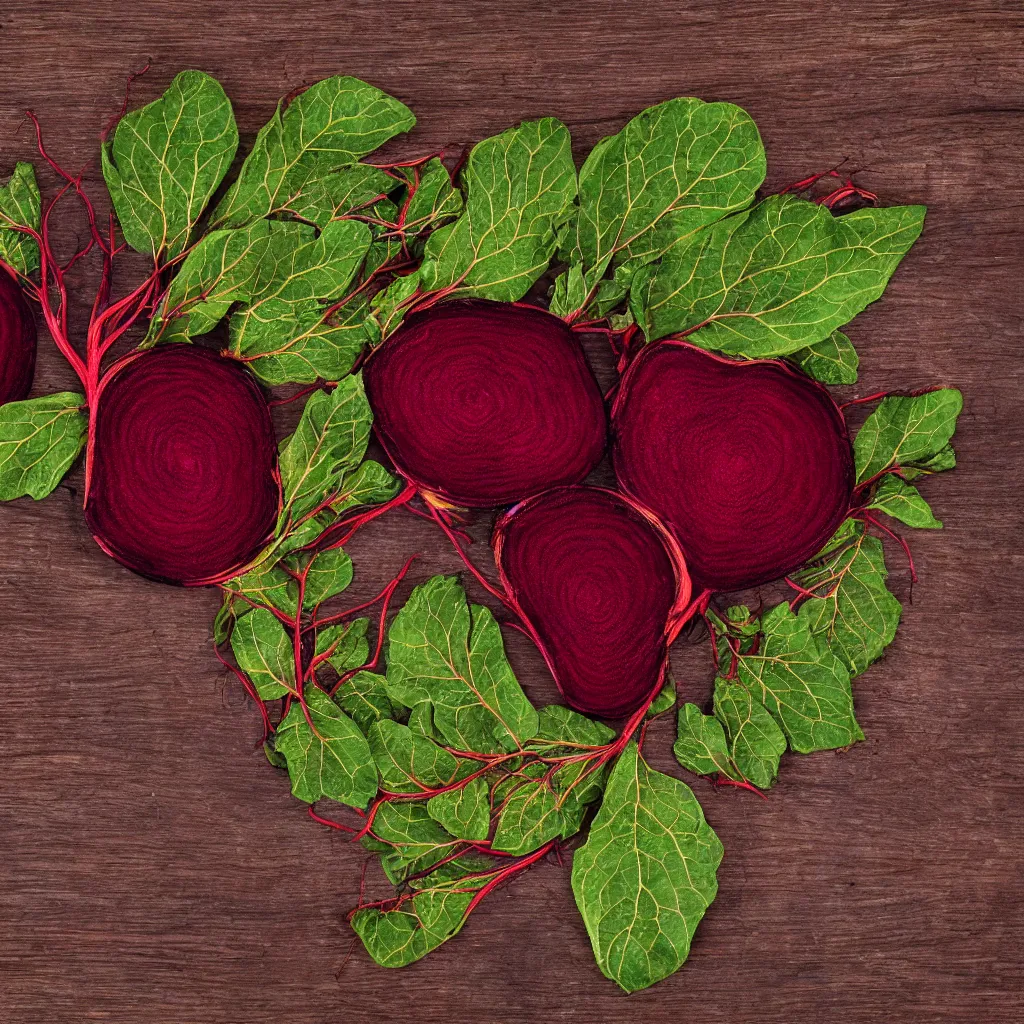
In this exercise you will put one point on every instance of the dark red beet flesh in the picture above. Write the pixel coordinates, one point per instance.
(485, 403)
(599, 584)
(748, 463)
(17, 342)
(183, 485)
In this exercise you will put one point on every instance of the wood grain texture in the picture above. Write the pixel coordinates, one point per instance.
(153, 867)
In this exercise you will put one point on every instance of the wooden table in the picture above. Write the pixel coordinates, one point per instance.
(153, 867)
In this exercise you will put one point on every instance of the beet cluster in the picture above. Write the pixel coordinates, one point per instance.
(183, 486)
(17, 342)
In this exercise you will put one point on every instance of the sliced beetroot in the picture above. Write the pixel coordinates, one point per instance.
(183, 485)
(17, 342)
(748, 463)
(600, 585)
(485, 403)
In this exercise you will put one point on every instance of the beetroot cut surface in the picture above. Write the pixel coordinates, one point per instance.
(183, 486)
(17, 342)
(485, 403)
(749, 463)
(600, 585)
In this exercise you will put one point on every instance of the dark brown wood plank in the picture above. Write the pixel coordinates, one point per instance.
(154, 868)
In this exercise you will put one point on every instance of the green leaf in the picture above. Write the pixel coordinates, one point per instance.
(282, 331)
(529, 818)
(325, 129)
(330, 759)
(222, 268)
(328, 576)
(21, 204)
(443, 651)
(801, 682)
(39, 440)
(674, 168)
(464, 812)
(755, 742)
(646, 874)
(408, 762)
(264, 652)
(399, 935)
(558, 724)
(434, 202)
(331, 197)
(390, 304)
(665, 701)
(166, 160)
(903, 501)
(421, 721)
(905, 431)
(855, 615)
(224, 620)
(518, 189)
(832, 361)
(370, 484)
(412, 840)
(351, 648)
(772, 280)
(328, 443)
(364, 698)
(700, 744)
(268, 584)
(937, 463)
(276, 759)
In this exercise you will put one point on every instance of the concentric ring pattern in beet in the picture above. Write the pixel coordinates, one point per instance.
(183, 486)
(748, 463)
(598, 583)
(485, 403)
(17, 342)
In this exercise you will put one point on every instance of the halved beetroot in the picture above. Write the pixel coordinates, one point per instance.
(749, 464)
(601, 586)
(17, 342)
(183, 480)
(485, 403)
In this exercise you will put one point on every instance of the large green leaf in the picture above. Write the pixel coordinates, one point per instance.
(906, 431)
(855, 615)
(364, 698)
(166, 160)
(264, 652)
(646, 874)
(327, 755)
(903, 501)
(434, 202)
(325, 129)
(832, 361)
(328, 443)
(774, 279)
(518, 189)
(443, 651)
(39, 439)
(331, 197)
(529, 818)
(557, 724)
(329, 574)
(674, 168)
(268, 584)
(701, 746)
(755, 742)
(21, 204)
(804, 685)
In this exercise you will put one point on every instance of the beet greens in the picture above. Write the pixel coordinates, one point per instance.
(317, 270)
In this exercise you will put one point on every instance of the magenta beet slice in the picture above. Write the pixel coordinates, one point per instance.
(600, 585)
(485, 403)
(17, 342)
(748, 463)
(183, 482)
